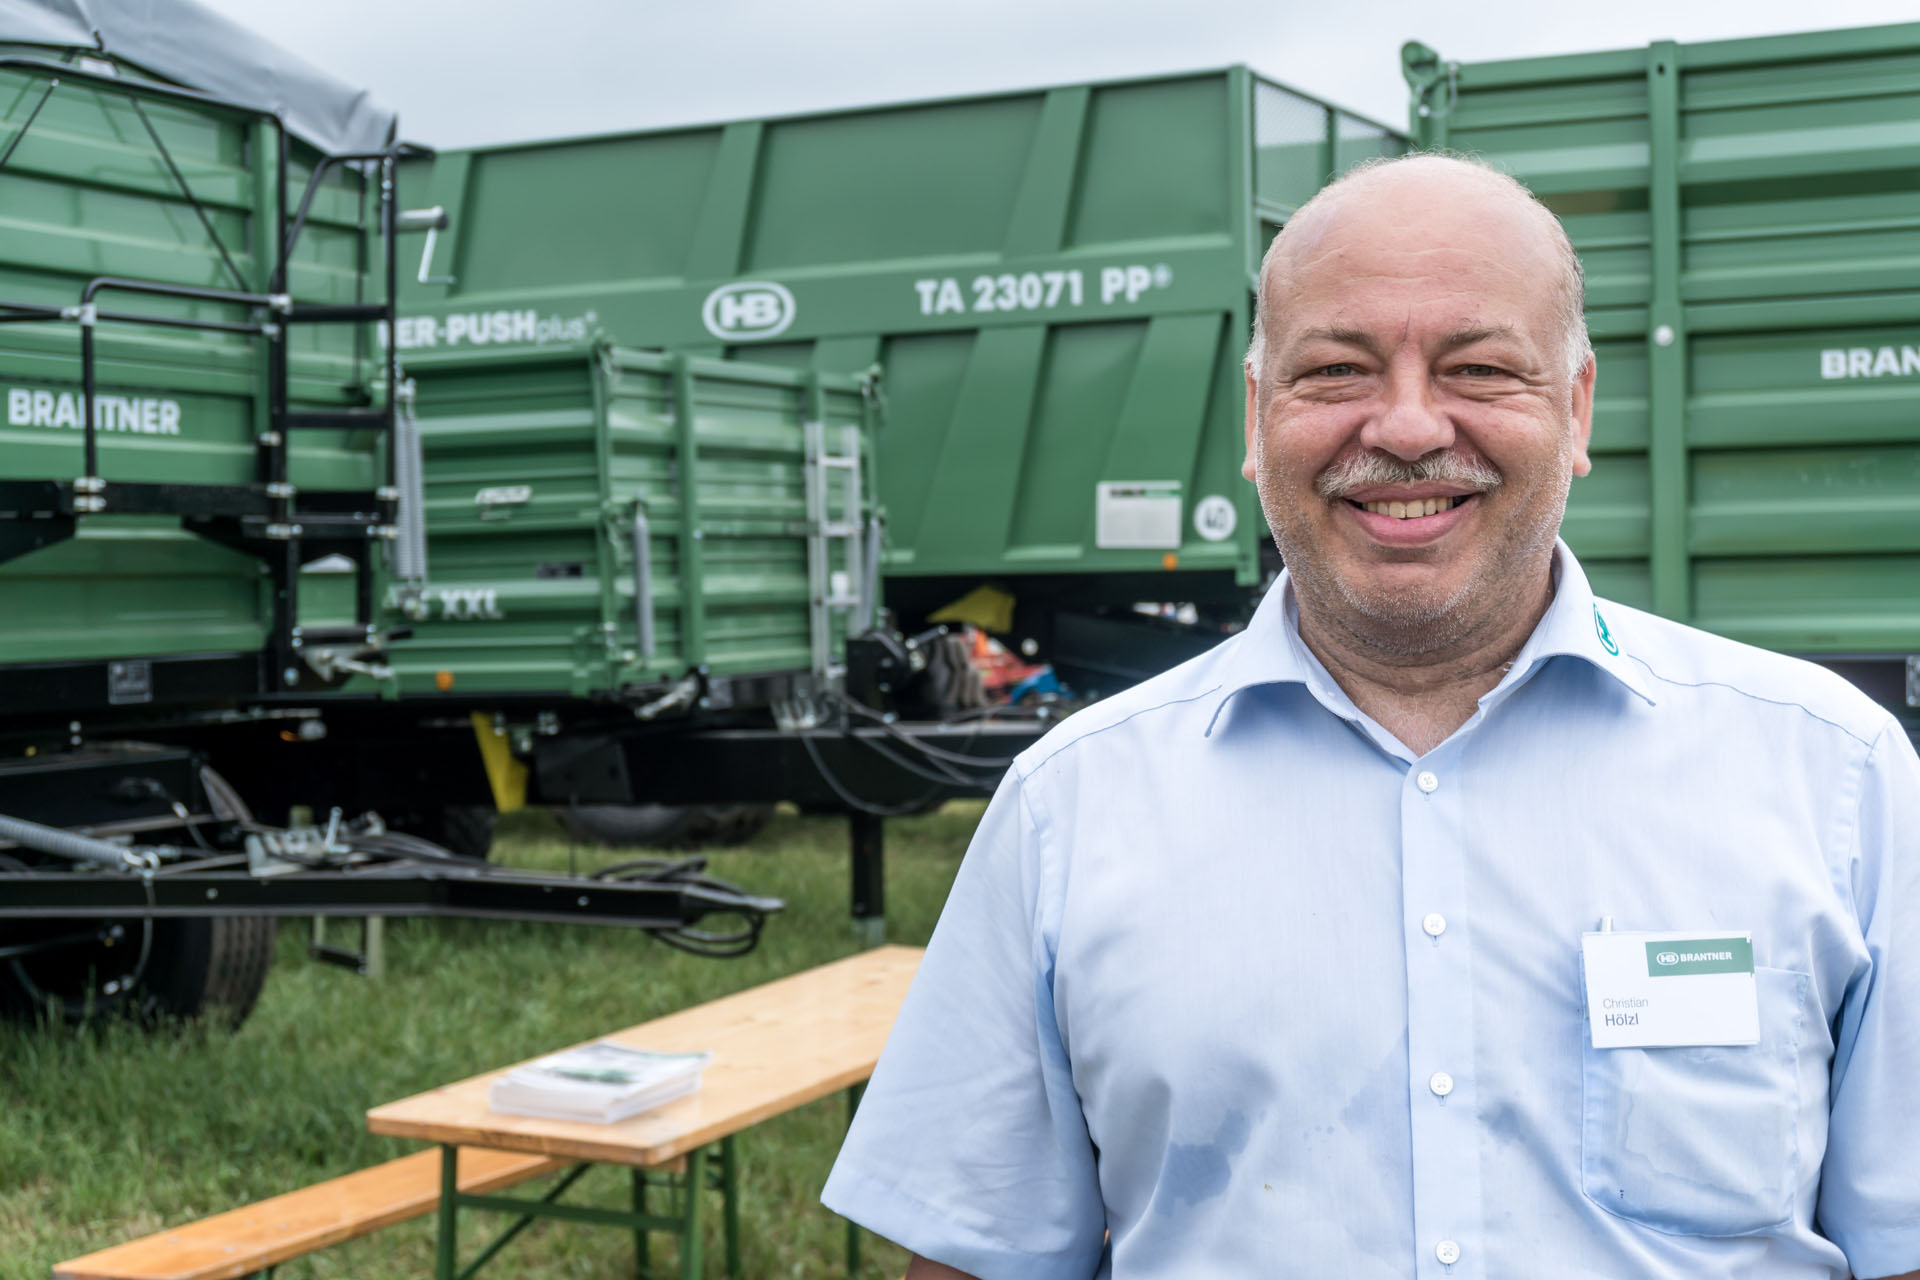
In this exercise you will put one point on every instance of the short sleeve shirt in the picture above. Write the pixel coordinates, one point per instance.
(1230, 983)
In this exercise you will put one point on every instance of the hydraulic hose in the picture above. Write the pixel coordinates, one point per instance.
(65, 844)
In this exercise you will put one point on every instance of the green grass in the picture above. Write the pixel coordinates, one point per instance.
(114, 1133)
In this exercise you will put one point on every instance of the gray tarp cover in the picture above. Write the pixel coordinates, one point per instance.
(182, 42)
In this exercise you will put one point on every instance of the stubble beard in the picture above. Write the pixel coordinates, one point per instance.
(1408, 625)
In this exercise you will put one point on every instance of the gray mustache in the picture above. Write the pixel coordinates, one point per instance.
(1367, 470)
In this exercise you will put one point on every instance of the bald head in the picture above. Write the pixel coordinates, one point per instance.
(1439, 199)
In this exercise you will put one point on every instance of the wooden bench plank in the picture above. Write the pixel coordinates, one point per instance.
(256, 1236)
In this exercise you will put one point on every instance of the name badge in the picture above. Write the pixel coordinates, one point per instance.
(1668, 990)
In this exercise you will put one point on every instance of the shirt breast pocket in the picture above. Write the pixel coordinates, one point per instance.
(1700, 1141)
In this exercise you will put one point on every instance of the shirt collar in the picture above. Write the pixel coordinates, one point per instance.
(1576, 626)
(1270, 650)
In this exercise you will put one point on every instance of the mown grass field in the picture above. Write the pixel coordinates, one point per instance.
(114, 1133)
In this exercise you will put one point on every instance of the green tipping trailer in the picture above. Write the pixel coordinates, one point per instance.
(618, 538)
(1749, 222)
(603, 523)
(188, 293)
(1056, 282)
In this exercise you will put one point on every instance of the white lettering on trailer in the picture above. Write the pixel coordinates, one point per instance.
(1132, 281)
(484, 328)
(1869, 362)
(1039, 290)
(941, 297)
(139, 415)
(469, 604)
(488, 328)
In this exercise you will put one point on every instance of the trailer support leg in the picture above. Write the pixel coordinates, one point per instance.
(868, 832)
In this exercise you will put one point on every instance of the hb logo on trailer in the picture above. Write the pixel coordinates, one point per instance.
(748, 310)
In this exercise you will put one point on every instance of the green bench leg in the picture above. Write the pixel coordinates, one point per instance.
(691, 1192)
(730, 1203)
(684, 1219)
(642, 1256)
(447, 1243)
(853, 1228)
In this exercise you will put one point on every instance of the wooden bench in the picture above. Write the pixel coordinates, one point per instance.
(775, 1047)
(258, 1236)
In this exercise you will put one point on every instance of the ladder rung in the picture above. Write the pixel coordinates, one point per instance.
(840, 529)
(339, 420)
(335, 313)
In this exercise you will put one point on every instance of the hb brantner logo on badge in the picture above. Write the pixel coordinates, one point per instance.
(747, 310)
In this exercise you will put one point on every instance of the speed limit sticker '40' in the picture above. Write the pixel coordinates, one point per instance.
(1039, 290)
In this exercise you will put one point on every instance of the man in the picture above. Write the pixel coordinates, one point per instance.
(1447, 921)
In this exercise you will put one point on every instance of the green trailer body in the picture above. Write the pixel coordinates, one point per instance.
(1749, 222)
(1056, 283)
(148, 574)
(601, 523)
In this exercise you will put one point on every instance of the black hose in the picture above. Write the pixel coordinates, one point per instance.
(687, 873)
(855, 802)
(934, 771)
(927, 748)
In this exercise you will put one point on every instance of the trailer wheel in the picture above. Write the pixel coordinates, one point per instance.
(208, 968)
(192, 968)
(211, 967)
(664, 826)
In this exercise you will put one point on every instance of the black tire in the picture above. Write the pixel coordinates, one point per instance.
(465, 829)
(203, 967)
(211, 967)
(664, 826)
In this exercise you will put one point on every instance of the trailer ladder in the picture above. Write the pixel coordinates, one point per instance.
(827, 590)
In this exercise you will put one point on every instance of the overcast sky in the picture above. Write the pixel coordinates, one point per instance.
(470, 71)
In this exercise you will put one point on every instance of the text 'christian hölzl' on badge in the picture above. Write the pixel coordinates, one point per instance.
(1647, 990)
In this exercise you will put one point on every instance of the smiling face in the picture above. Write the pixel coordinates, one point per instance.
(1415, 426)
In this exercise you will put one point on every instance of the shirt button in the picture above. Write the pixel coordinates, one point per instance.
(1435, 924)
(1447, 1251)
(1427, 781)
(1441, 1083)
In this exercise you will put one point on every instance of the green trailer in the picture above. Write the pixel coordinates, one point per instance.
(633, 526)
(1057, 284)
(1748, 218)
(188, 298)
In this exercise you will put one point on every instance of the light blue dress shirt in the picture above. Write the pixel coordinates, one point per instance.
(1231, 973)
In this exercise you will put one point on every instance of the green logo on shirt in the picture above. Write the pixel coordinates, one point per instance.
(1672, 959)
(1606, 636)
